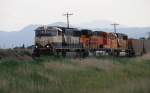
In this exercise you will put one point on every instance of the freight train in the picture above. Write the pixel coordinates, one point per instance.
(57, 40)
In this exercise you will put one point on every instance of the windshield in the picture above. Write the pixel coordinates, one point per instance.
(72, 32)
(46, 32)
(86, 32)
(99, 33)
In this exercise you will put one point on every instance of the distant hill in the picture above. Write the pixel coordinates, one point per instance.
(26, 35)
(17, 38)
(132, 32)
(95, 24)
(59, 24)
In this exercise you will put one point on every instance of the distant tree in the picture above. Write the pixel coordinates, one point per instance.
(148, 35)
(30, 47)
(23, 46)
(142, 38)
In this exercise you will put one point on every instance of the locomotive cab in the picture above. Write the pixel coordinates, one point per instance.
(117, 41)
(112, 41)
(85, 38)
(47, 38)
(122, 41)
(51, 39)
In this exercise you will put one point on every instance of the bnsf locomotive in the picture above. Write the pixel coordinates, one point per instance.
(60, 40)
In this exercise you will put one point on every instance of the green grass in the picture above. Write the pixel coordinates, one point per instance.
(49, 74)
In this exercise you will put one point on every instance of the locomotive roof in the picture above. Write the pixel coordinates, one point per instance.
(100, 32)
(41, 28)
(121, 34)
(86, 30)
(118, 34)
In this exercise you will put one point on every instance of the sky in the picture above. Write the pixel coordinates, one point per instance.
(16, 14)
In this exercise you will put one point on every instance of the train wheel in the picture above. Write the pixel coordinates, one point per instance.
(130, 53)
(85, 54)
(110, 53)
(115, 53)
(64, 54)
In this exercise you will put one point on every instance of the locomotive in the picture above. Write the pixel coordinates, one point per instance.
(98, 40)
(57, 40)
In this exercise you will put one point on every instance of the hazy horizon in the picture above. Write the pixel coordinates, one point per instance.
(15, 14)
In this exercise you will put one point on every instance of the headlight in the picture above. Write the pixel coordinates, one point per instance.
(47, 46)
(36, 46)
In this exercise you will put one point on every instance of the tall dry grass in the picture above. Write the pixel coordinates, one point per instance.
(50, 74)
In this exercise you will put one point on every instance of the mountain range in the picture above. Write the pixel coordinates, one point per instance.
(26, 35)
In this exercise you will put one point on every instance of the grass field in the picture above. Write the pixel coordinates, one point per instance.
(48, 74)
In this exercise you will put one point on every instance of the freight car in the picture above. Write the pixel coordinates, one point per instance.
(137, 47)
(146, 46)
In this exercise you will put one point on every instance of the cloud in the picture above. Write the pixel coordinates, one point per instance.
(17, 13)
